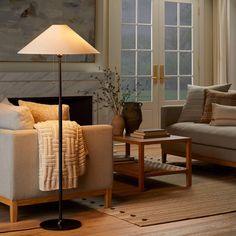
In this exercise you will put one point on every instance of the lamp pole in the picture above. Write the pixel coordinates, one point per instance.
(60, 193)
(60, 223)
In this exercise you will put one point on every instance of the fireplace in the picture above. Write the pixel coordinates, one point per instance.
(81, 107)
(37, 85)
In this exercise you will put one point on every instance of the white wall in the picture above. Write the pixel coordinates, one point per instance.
(232, 45)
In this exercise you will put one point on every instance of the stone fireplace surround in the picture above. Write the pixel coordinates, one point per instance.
(45, 84)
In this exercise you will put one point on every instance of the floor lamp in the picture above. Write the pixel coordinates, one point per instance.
(59, 40)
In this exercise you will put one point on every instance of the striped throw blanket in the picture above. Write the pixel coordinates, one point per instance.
(73, 154)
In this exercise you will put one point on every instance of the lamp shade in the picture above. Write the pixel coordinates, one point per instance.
(58, 40)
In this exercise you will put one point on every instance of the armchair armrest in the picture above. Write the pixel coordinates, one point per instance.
(170, 115)
(99, 171)
(18, 156)
(19, 162)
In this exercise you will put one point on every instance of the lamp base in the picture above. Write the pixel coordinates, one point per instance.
(56, 224)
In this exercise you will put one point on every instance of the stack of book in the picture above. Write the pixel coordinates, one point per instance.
(150, 133)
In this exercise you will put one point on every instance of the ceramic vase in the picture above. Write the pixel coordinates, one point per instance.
(118, 125)
(132, 114)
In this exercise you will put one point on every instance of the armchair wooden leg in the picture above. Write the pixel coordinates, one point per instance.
(13, 211)
(108, 197)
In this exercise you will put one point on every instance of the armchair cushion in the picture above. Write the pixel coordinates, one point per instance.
(44, 112)
(15, 117)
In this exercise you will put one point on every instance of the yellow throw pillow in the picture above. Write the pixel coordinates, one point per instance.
(44, 112)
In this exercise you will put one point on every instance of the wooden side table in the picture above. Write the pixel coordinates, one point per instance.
(141, 169)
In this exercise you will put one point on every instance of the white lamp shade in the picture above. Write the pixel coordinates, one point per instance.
(58, 40)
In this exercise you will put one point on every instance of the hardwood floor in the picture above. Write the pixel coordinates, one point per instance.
(95, 223)
(98, 224)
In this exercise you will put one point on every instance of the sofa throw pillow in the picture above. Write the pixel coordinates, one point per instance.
(223, 115)
(44, 112)
(193, 108)
(222, 98)
(15, 117)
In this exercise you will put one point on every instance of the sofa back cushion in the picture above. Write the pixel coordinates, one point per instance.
(222, 98)
(193, 108)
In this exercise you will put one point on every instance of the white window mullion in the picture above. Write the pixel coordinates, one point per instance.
(136, 50)
(178, 49)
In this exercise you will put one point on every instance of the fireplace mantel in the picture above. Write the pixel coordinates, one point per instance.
(45, 84)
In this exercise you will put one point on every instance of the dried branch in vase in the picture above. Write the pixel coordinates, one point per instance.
(108, 93)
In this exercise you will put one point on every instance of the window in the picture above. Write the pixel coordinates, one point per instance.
(178, 49)
(136, 48)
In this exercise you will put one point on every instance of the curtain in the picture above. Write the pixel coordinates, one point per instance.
(220, 41)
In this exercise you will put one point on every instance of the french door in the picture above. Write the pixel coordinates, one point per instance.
(154, 46)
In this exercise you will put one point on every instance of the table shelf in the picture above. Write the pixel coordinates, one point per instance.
(131, 168)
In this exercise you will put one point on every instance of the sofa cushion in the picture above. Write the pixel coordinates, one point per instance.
(15, 117)
(193, 108)
(218, 136)
(219, 98)
(223, 115)
(44, 112)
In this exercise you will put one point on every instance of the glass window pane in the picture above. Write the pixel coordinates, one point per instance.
(171, 63)
(144, 63)
(171, 38)
(128, 37)
(144, 11)
(171, 88)
(170, 13)
(185, 63)
(183, 83)
(128, 89)
(185, 14)
(144, 88)
(128, 11)
(185, 41)
(127, 63)
(144, 37)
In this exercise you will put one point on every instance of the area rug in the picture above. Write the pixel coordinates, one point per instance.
(167, 200)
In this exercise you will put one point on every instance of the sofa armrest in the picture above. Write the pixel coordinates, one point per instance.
(170, 115)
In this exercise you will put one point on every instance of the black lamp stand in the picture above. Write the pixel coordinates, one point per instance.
(60, 223)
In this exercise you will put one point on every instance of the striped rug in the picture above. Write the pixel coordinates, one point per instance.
(166, 198)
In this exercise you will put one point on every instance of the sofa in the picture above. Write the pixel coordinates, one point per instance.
(19, 168)
(210, 143)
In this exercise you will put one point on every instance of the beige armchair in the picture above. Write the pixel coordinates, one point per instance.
(19, 168)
